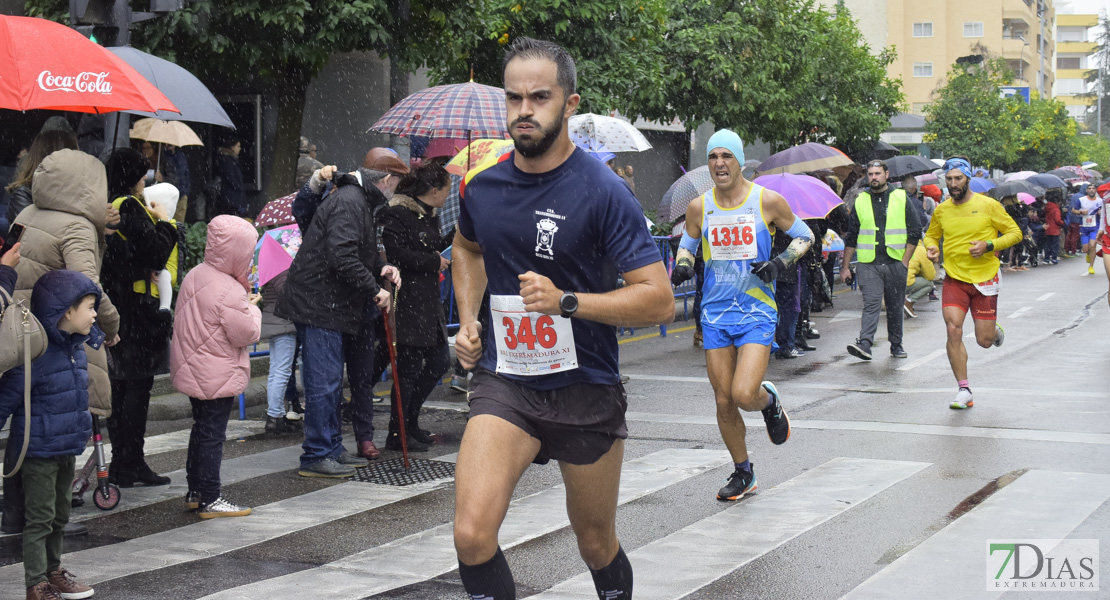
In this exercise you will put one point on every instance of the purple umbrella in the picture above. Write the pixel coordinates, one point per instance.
(808, 197)
(805, 158)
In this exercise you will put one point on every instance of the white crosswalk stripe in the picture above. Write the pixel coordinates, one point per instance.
(218, 536)
(690, 559)
(1038, 505)
(430, 553)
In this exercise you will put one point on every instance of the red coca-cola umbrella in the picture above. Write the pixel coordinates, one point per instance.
(46, 65)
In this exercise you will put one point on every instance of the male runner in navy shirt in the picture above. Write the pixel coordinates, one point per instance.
(540, 228)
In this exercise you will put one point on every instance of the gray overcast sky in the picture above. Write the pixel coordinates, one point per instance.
(1082, 7)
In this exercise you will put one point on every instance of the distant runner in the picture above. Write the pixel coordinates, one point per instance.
(974, 227)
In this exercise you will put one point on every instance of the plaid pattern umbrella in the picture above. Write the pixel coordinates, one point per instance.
(461, 110)
(449, 214)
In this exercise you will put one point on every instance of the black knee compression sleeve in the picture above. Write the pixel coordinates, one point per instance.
(614, 582)
(491, 580)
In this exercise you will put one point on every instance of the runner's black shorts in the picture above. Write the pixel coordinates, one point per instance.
(576, 424)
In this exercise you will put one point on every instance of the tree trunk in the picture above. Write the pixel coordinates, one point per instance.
(398, 76)
(291, 100)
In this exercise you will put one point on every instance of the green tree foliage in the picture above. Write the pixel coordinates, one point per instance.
(970, 118)
(1044, 136)
(784, 71)
(1093, 148)
(616, 46)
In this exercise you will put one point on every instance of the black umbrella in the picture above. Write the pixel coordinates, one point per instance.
(1047, 180)
(881, 150)
(902, 166)
(1066, 175)
(1013, 188)
(196, 103)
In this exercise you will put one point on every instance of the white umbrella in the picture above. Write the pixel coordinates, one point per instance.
(174, 133)
(597, 133)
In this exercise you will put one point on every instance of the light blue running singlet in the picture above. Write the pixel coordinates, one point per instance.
(738, 237)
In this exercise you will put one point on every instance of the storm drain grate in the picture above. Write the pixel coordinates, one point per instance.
(392, 472)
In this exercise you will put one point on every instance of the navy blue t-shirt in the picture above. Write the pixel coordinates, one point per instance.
(599, 224)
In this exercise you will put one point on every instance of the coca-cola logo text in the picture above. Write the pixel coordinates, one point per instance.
(82, 82)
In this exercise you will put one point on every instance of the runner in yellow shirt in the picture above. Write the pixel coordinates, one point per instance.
(974, 227)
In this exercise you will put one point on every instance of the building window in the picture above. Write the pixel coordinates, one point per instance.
(922, 69)
(919, 108)
(973, 29)
(1071, 34)
(1077, 112)
(923, 29)
(1063, 62)
(1070, 87)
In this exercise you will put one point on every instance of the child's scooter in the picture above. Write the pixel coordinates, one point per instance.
(106, 496)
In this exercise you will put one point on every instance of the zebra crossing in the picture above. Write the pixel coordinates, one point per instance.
(678, 563)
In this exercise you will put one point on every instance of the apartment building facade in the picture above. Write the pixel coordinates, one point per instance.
(1076, 59)
(930, 37)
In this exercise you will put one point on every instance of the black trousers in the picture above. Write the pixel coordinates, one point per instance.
(206, 446)
(421, 368)
(127, 425)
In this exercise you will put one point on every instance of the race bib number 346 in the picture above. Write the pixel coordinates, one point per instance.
(530, 343)
(732, 237)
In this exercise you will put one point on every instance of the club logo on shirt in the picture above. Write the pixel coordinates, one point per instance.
(545, 238)
(546, 227)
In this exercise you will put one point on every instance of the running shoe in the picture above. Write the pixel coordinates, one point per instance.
(999, 335)
(778, 424)
(740, 484)
(1090, 269)
(963, 400)
(860, 350)
(897, 351)
(458, 383)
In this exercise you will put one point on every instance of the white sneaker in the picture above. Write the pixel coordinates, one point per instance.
(999, 335)
(963, 400)
(222, 508)
(294, 416)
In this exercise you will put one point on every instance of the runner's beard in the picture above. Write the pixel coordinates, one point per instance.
(531, 147)
(960, 193)
(876, 185)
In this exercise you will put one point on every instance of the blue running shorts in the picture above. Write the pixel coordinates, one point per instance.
(762, 333)
(1088, 234)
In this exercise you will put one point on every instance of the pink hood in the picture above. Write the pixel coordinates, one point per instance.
(214, 324)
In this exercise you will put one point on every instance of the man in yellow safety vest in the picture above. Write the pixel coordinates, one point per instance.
(883, 231)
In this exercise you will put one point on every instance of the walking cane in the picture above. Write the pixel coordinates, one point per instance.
(391, 342)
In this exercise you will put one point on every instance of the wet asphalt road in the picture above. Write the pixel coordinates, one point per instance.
(878, 478)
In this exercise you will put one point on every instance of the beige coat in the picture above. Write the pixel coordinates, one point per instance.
(65, 230)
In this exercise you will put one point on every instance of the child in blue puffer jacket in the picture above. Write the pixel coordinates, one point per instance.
(65, 302)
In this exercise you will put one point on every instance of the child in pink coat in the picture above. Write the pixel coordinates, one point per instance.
(217, 320)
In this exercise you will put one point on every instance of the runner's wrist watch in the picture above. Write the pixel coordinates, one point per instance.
(568, 304)
(990, 246)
